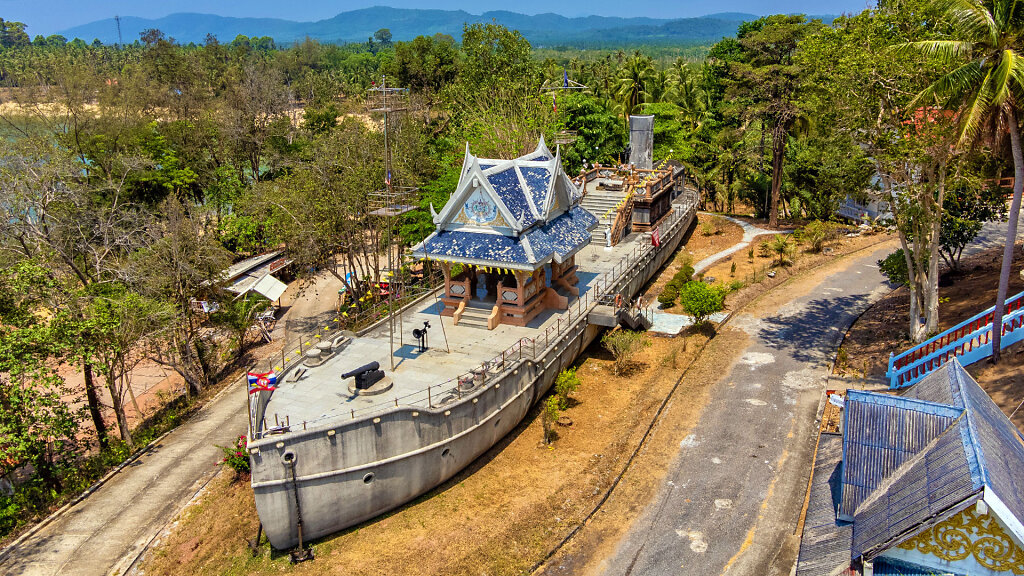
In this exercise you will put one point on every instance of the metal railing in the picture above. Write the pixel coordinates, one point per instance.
(607, 285)
(969, 341)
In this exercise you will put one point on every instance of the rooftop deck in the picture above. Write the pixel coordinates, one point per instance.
(432, 378)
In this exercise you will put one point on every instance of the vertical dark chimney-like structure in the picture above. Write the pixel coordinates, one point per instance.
(641, 142)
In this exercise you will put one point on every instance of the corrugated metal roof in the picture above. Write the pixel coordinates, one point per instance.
(825, 545)
(881, 433)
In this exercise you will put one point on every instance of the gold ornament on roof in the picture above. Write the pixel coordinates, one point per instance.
(970, 534)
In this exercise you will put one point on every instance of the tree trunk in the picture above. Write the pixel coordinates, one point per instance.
(914, 327)
(778, 152)
(1011, 234)
(932, 286)
(93, 401)
(122, 418)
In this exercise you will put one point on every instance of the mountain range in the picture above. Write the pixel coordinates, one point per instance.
(405, 24)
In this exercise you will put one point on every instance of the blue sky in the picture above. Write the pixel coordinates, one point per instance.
(49, 16)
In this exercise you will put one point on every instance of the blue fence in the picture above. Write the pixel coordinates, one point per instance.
(968, 341)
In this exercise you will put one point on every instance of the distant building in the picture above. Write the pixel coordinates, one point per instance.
(928, 481)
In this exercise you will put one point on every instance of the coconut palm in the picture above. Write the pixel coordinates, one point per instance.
(985, 88)
(631, 89)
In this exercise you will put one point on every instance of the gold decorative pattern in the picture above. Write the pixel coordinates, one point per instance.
(970, 534)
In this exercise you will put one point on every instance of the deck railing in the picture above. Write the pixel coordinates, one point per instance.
(605, 286)
(968, 341)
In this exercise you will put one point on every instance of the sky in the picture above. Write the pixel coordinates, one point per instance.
(50, 16)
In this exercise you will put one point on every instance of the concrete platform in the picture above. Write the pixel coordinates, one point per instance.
(321, 394)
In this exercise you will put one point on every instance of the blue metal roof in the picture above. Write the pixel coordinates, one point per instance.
(881, 433)
(981, 449)
(890, 567)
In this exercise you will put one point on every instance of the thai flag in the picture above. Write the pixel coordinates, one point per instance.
(387, 180)
(259, 382)
(565, 78)
(554, 104)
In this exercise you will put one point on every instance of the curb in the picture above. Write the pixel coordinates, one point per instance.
(60, 512)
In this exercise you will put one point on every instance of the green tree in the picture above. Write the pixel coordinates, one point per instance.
(631, 86)
(984, 87)
(767, 79)
(624, 345)
(700, 300)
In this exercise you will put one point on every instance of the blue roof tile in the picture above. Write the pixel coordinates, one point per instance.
(538, 180)
(476, 246)
(509, 189)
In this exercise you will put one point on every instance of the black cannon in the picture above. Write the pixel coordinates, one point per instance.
(366, 375)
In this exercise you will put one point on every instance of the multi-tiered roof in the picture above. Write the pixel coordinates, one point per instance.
(515, 214)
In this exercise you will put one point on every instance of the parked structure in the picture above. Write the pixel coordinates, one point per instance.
(928, 481)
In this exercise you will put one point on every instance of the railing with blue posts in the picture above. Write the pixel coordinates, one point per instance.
(968, 341)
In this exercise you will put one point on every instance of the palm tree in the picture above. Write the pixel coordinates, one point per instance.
(984, 88)
(631, 89)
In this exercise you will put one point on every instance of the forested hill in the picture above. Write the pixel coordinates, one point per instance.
(406, 24)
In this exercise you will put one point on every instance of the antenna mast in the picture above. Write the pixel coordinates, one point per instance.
(391, 202)
(120, 41)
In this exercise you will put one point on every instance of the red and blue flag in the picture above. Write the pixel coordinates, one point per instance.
(261, 382)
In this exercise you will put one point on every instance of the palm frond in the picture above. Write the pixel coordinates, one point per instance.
(964, 80)
(1001, 77)
(974, 112)
(971, 19)
(944, 50)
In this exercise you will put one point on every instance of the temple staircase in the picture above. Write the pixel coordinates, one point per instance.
(475, 315)
(604, 204)
(968, 342)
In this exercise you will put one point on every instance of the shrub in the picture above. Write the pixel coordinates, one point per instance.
(565, 385)
(669, 295)
(750, 254)
(549, 417)
(764, 249)
(894, 267)
(236, 457)
(624, 346)
(818, 233)
(732, 269)
(707, 229)
(701, 301)
(782, 249)
(734, 285)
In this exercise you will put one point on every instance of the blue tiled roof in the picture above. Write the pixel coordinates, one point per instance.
(563, 236)
(540, 157)
(476, 246)
(509, 189)
(538, 180)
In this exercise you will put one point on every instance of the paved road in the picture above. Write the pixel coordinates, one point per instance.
(732, 498)
(736, 488)
(104, 533)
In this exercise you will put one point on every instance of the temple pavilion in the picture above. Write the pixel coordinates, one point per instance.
(506, 239)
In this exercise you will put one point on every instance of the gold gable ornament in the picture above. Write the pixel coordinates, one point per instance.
(970, 534)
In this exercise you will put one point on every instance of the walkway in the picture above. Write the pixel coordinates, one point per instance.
(749, 233)
(105, 533)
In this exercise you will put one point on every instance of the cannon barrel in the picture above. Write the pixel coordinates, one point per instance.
(364, 368)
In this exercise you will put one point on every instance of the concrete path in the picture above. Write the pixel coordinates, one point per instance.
(106, 532)
(732, 497)
(749, 233)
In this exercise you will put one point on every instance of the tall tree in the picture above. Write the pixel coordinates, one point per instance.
(985, 88)
(768, 79)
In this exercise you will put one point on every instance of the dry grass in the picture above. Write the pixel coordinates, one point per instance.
(500, 516)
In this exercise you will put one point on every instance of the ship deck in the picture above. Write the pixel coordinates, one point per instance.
(321, 395)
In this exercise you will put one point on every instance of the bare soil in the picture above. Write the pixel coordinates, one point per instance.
(695, 248)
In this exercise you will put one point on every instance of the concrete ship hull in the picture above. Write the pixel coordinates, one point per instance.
(349, 471)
